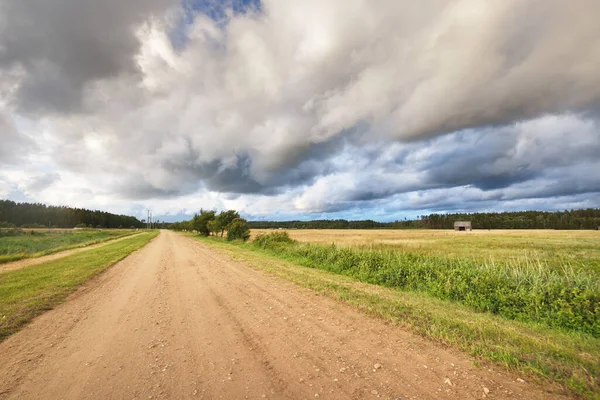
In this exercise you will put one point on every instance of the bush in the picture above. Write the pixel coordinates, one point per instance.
(4, 224)
(268, 240)
(238, 229)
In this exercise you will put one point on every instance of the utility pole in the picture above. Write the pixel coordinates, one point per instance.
(148, 220)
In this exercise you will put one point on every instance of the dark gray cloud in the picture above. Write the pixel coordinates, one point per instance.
(502, 157)
(61, 45)
(544, 158)
(235, 178)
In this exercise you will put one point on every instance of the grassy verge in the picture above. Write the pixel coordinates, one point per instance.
(554, 249)
(528, 292)
(33, 244)
(28, 292)
(571, 359)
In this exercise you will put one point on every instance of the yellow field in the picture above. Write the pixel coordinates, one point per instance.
(551, 247)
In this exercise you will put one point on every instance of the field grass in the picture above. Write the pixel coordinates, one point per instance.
(551, 248)
(531, 346)
(28, 292)
(19, 244)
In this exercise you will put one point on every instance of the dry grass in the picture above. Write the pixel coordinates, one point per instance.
(576, 249)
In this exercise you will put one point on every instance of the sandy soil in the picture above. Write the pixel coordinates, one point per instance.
(26, 262)
(177, 320)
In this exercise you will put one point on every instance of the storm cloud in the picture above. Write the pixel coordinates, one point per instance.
(60, 46)
(306, 106)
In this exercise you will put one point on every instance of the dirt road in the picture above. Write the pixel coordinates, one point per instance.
(177, 320)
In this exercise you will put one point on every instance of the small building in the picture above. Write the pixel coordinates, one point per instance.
(463, 226)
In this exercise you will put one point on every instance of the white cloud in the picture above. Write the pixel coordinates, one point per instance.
(305, 106)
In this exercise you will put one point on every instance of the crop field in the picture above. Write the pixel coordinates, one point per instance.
(550, 248)
(17, 244)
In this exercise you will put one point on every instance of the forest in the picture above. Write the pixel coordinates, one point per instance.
(574, 219)
(31, 215)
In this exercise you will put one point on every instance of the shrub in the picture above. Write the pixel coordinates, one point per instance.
(268, 240)
(238, 229)
(4, 224)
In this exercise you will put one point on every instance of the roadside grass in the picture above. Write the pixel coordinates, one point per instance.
(568, 358)
(555, 249)
(35, 243)
(530, 292)
(30, 291)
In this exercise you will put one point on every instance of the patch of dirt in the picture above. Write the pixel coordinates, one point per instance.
(178, 320)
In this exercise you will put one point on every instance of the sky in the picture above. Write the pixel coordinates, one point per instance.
(301, 109)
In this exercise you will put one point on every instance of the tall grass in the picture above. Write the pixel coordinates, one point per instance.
(527, 291)
(579, 249)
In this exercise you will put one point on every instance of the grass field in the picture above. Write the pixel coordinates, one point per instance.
(501, 295)
(552, 248)
(19, 244)
(27, 292)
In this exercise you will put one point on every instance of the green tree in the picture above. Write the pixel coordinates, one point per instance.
(225, 218)
(238, 229)
(213, 226)
(200, 221)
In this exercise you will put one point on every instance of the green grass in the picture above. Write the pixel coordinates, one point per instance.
(566, 357)
(28, 292)
(579, 250)
(34, 243)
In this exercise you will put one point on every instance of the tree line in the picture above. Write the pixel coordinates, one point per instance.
(29, 215)
(574, 219)
(208, 222)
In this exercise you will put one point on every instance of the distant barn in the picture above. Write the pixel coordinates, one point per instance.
(463, 226)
